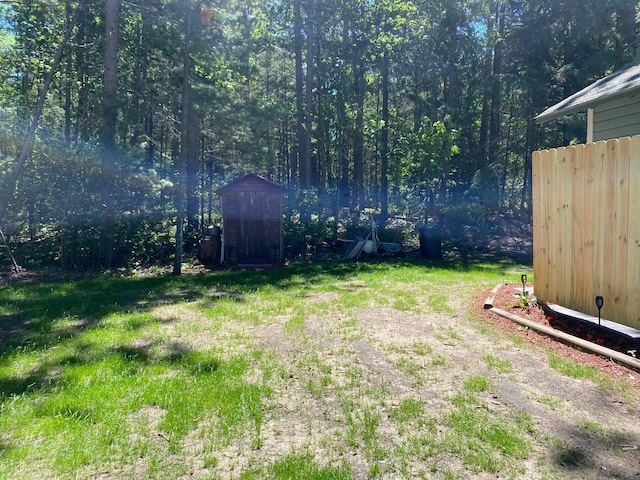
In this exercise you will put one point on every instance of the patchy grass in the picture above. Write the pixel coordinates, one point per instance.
(333, 371)
(499, 364)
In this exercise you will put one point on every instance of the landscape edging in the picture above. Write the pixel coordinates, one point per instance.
(565, 337)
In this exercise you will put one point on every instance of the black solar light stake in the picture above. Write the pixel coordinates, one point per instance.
(599, 303)
(523, 278)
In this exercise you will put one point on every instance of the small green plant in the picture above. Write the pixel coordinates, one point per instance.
(525, 299)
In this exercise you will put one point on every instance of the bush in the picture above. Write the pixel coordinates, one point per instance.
(301, 237)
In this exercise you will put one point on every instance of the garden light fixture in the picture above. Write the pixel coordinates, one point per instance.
(523, 279)
(599, 303)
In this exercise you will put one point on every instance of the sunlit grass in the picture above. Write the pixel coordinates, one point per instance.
(487, 442)
(76, 398)
(573, 369)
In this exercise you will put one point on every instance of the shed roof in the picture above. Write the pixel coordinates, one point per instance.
(251, 182)
(622, 82)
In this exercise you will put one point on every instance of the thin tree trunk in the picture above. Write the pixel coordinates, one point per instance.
(108, 159)
(82, 113)
(358, 136)
(67, 88)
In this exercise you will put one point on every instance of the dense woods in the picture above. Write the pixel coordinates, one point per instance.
(120, 119)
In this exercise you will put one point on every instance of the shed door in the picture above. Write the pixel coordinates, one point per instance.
(254, 247)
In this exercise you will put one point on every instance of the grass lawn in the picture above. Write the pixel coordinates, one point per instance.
(283, 373)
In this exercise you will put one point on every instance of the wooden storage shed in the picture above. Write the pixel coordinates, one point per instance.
(612, 105)
(252, 227)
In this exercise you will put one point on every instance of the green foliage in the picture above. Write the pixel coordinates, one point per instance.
(139, 241)
(467, 221)
(304, 236)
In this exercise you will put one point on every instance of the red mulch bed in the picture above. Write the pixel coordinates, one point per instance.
(504, 299)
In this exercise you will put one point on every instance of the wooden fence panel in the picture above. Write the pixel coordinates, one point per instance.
(536, 203)
(632, 314)
(566, 274)
(578, 225)
(621, 228)
(609, 233)
(552, 220)
(586, 233)
(545, 174)
(597, 217)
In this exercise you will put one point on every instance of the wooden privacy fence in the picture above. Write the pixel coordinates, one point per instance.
(586, 228)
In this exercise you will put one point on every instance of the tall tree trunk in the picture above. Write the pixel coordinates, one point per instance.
(108, 157)
(193, 136)
(384, 146)
(324, 171)
(483, 140)
(307, 175)
(494, 118)
(181, 159)
(300, 122)
(358, 135)
(67, 87)
(82, 72)
(343, 127)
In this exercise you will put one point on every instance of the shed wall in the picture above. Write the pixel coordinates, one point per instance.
(586, 227)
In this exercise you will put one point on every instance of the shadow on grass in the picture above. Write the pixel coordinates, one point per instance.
(601, 450)
(122, 358)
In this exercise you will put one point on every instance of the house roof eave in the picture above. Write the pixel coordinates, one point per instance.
(560, 110)
(623, 82)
